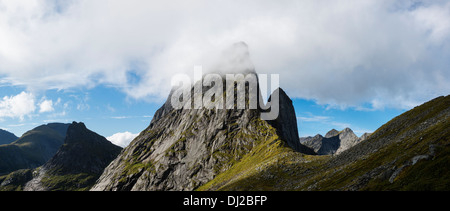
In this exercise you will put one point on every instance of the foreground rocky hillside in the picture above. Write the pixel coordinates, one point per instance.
(410, 152)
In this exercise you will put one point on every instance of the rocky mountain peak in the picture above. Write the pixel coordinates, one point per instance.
(331, 133)
(334, 142)
(346, 130)
(286, 123)
(183, 149)
(347, 139)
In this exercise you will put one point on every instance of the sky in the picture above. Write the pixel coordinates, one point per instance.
(109, 63)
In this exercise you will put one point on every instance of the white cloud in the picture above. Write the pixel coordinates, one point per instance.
(324, 120)
(343, 53)
(17, 106)
(313, 118)
(122, 139)
(46, 106)
(121, 117)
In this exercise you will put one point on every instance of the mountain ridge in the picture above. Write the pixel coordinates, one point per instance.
(334, 142)
(7, 137)
(33, 148)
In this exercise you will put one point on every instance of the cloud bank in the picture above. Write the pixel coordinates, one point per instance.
(367, 54)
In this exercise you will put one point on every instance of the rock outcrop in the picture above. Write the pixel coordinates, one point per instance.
(286, 124)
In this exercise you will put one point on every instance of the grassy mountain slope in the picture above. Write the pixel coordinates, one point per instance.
(7, 137)
(15, 180)
(410, 152)
(33, 149)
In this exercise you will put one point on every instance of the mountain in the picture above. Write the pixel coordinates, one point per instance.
(334, 142)
(33, 149)
(77, 164)
(410, 152)
(183, 149)
(7, 137)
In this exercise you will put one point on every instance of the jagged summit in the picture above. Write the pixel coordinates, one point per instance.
(331, 133)
(334, 142)
(183, 149)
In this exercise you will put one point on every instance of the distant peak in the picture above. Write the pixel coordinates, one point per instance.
(318, 136)
(347, 130)
(332, 133)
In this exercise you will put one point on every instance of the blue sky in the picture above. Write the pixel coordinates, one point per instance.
(105, 110)
(313, 118)
(109, 63)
